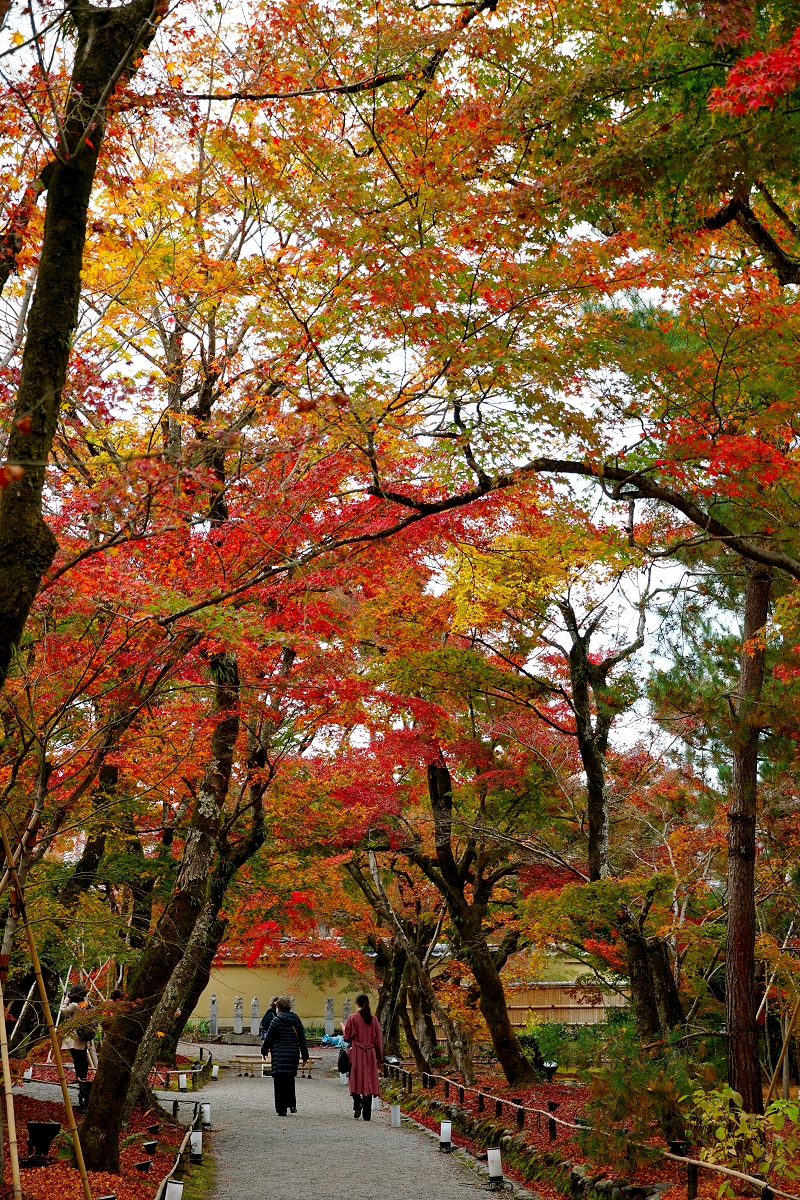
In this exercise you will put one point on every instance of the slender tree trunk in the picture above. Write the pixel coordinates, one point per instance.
(468, 921)
(108, 47)
(424, 1028)
(744, 1071)
(454, 1036)
(198, 985)
(420, 1057)
(593, 745)
(391, 963)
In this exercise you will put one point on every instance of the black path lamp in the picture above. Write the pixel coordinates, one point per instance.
(550, 1069)
(552, 1105)
(680, 1148)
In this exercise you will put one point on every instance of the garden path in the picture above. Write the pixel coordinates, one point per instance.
(321, 1152)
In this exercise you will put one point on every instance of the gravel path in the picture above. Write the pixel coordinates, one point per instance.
(321, 1153)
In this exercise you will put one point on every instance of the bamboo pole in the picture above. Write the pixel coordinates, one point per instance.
(784, 1048)
(51, 1029)
(8, 1088)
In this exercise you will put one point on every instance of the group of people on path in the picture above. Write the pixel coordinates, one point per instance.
(285, 1040)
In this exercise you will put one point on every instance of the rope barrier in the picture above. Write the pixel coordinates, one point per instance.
(177, 1168)
(765, 1189)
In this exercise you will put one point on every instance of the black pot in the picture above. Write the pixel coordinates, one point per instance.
(41, 1135)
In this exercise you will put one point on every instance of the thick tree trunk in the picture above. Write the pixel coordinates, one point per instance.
(654, 996)
(668, 1002)
(109, 43)
(172, 999)
(744, 1072)
(492, 1002)
(101, 1126)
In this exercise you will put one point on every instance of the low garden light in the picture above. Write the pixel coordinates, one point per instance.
(550, 1069)
(174, 1189)
(395, 1116)
(495, 1162)
(205, 1116)
(196, 1146)
(182, 1082)
(445, 1137)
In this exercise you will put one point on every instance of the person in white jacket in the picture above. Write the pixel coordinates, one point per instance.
(79, 1048)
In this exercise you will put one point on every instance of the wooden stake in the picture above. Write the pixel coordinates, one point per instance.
(51, 1029)
(782, 1055)
(8, 1088)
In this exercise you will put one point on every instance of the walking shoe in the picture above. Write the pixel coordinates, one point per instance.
(357, 1113)
(292, 1110)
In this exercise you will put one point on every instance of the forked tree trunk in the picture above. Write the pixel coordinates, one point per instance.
(744, 1072)
(163, 951)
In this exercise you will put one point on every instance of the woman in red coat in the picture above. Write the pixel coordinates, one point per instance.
(363, 1032)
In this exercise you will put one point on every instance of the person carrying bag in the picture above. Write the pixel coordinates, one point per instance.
(363, 1032)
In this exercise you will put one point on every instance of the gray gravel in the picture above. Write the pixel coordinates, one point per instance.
(321, 1153)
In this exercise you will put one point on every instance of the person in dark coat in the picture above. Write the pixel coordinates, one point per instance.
(286, 1040)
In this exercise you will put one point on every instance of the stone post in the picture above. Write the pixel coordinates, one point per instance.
(329, 1017)
(346, 1010)
(213, 1015)
(255, 1017)
(238, 1015)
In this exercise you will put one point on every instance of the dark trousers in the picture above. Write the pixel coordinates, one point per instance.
(284, 1091)
(80, 1060)
(364, 1105)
